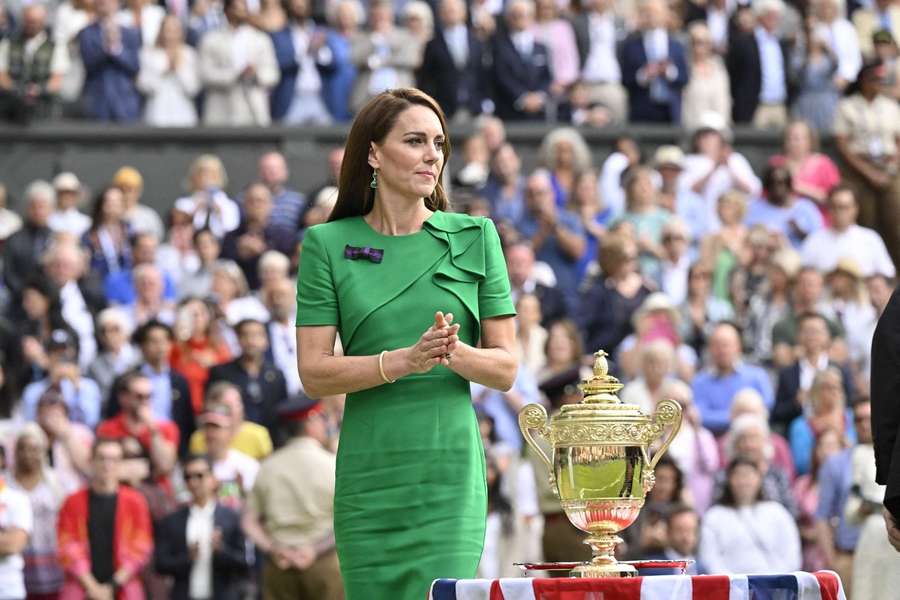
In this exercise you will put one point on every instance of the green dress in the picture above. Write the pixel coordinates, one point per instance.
(410, 495)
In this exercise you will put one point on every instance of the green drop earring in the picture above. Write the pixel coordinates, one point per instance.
(374, 183)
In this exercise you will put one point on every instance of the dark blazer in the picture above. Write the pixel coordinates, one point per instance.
(283, 94)
(514, 75)
(786, 407)
(261, 404)
(452, 87)
(110, 92)
(553, 304)
(641, 107)
(229, 564)
(885, 408)
(745, 73)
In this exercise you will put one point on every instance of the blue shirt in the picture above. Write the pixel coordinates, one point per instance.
(161, 399)
(771, 63)
(565, 268)
(803, 213)
(803, 440)
(83, 403)
(506, 420)
(118, 287)
(835, 481)
(713, 393)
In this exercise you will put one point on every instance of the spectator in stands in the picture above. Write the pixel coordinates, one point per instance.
(521, 67)
(418, 19)
(32, 65)
(453, 65)
(866, 132)
(385, 56)
(232, 294)
(643, 212)
(201, 545)
(119, 287)
(196, 279)
(199, 345)
(281, 303)
(853, 311)
(724, 250)
(565, 154)
(67, 218)
(205, 16)
(607, 306)
(824, 248)
(41, 316)
(795, 381)
(235, 471)
(338, 83)
(156, 453)
(806, 296)
(34, 478)
(292, 521)
(238, 69)
(111, 62)
(813, 68)
(597, 31)
(531, 336)
(261, 383)
(504, 407)
(10, 221)
(140, 217)
(81, 394)
(247, 437)
(743, 533)
(682, 536)
(758, 63)
(749, 401)
(68, 443)
(116, 354)
(16, 526)
(813, 174)
(715, 387)
(301, 52)
(287, 204)
(586, 202)
(655, 365)
(149, 298)
(505, 187)
(23, 250)
(869, 18)
(107, 238)
(558, 35)
(208, 204)
(273, 268)
(838, 536)
(145, 17)
(169, 77)
(838, 33)
(654, 68)
(269, 16)
(708, 88)
(104, 533)
(701, 310)
(781, 210)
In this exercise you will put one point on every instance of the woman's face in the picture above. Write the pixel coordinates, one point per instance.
(729, 211)
(529, 310)
(346, 16)
(642, 192)
(28, 454)
(546, 10)
(207, 247)
(112, 334)
(410, 158)
(113, 205)
(700, 282)
(752, 444)
(666, 479)
(709, 144)
(797, 141)
(171, 33)
(223, 287)
(560, 349)
(586, 191)
(745, 482)
(205, 176)
(199, 316)
(829, 396)
(35, 304)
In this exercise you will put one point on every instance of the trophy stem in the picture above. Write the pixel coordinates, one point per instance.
(604, 563)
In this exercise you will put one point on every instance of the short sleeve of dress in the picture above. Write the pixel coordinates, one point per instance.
(316, 297)
(493, 292)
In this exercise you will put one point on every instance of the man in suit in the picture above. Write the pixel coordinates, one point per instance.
(238, 68)
(110, 55)
(261, 383)
(596, 33)
(452, 69)
(758, 64)
(654, 68)
(22, 251)
(520, 266)
(795, 381)
(201, 545)
(521, 67)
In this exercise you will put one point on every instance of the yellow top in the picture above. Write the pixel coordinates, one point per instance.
(252, 439)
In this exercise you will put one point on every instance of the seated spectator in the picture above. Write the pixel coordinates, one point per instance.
(564, 154)
(866, 134)
(682, 536)
(531, 336)
(607, 306)
(586, 202)
(558, 35)
(564, 351)
(643, 212)
(781, 210)
(68, 443)
(844, 237)
(724, 249)
(701, 310)
(247, 437)
(146, 17)
(749, 401)
(201, 545)
(796, 380)
(10, 221)
(385, 57)
(104, 532)
(149, 299)
(745, 533)
(774, 272)
(140, 217)
(32, 66)
(42, 316)
(668, 162)
(238, 69)
(597, 30)
(208, 204)
(813, 174)
(261, 383)
(203, 18)
(232, 294)
(198, 282)
(302, 55)
(35, 479)
(708, 89)
(287, 203)
(521, 67)
(418, 19)
(169, 77)
(842, 41)
(281, 302)
(657, 319)
(111, 63)
(715, 387)
(107, 238)
(234, 471)
(80, 394)
(656, 363)
(119, 287)
(116, 354)
(854, 312)
(647, 535)
(269, 16)
(17, 523)
(199, 344)
(67, 218)
(22, 251)
(654, 68)
(505, 187)
(337, 85)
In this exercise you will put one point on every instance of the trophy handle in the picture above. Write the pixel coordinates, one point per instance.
(668, 412)
(534, 416)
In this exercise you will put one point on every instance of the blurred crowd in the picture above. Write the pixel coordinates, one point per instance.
(168, 342)
(594, 63)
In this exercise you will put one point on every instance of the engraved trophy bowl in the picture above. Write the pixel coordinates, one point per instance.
(599, 465)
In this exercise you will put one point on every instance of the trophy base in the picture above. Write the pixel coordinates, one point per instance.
(608, 570)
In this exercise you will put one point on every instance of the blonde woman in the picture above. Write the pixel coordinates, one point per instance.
(208, 204)
(168, 78)
(707, 90)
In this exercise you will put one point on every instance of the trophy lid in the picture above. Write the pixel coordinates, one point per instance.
(600, 399)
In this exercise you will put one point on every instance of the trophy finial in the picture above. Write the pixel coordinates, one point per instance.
(602, 387)
(601, 366)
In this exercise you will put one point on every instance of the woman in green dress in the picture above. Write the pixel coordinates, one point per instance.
(420, 298)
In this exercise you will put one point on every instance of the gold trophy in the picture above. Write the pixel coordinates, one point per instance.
(600, 469)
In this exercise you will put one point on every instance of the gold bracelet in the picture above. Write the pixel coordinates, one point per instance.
(381, 367)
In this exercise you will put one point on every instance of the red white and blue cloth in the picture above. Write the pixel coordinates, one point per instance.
(821, 585)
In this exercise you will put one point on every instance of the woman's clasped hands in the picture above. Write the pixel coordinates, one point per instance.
(436, 344)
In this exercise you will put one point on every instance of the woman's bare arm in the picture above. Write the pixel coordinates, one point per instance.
(494, 363)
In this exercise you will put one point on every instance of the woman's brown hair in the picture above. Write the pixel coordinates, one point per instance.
(372, 124)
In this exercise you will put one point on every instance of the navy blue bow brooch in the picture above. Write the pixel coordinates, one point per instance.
(371, 254)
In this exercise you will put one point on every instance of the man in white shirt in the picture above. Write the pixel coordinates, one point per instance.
(598, 30)
(234, 470)
(16, 523)
(67, 218)
(844, 238)
(282, 304)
